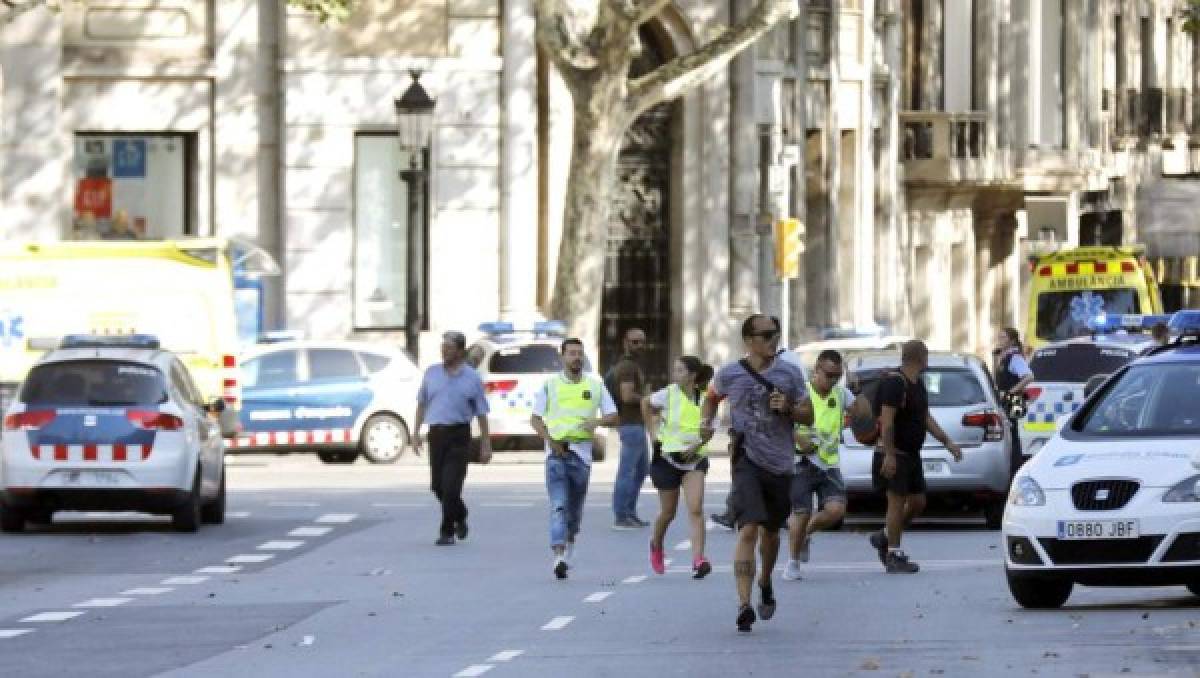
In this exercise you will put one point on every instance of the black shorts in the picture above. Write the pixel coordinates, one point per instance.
(664, 476)
(759, 496)
(909, 478)
(810, 479)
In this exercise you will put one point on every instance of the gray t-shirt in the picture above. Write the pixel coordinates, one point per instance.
(769, 441)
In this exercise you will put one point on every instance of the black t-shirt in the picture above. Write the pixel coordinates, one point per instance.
(911, 401)
(626, 369)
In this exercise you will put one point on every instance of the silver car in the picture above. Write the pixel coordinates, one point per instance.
(962, 398)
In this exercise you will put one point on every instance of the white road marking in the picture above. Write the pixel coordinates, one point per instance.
(281, 545)
(310, 531)
(387, 504)
(512, 504)
(183, 581)
(1181, 648)
(684, 545)
(597, 597)
(237, 514)
(50, 617)
(558, 623)
(103, 602)
(668, 562)
(298, 504)
(147, 591)
(13, 633)
(338, 518)
(250, 558)
(506, 655)
(634, 580)
(474, 670)
(218, 569)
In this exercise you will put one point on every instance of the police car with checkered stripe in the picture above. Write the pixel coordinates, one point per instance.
(111, 423)
(514, 364)
(1113, 499)
(1061, 369)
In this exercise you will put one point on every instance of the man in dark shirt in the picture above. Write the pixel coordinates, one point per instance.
(896, 468)
(627, 383)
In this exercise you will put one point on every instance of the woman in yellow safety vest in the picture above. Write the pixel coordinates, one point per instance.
(680, 458)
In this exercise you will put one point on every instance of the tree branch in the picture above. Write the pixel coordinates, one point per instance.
(680, 74)
(651, 10)
(553, 36)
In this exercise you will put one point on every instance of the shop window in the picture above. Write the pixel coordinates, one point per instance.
(133, 186)
(382, 234)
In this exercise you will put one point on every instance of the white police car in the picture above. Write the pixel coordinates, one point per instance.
(513, 365)
(111, 423)
(339, 398)
(1114, 498)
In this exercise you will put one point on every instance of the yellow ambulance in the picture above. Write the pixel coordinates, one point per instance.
(181, 291)
(1070, 287)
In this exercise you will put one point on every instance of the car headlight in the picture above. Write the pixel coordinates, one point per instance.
(1026, 492)
(1188, 490)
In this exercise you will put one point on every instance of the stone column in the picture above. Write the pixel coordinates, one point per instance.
(987, 69)
(744, 144)
(890, 251)
(833, 298)
(518, 164)
(931, 56)
(797, 290)
(1073, 73)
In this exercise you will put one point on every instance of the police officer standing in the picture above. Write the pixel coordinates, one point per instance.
(450, 394)
(1012, 376)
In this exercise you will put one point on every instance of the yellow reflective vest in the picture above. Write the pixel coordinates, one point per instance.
(569, 404)
(826, 429)
(680, 427)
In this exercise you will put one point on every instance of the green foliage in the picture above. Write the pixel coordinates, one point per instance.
(326, 10)
(1191, 17)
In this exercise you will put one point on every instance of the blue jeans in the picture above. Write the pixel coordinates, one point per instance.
(631, 471)
(566, 484)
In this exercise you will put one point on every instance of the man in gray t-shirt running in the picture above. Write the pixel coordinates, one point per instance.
(767, 396)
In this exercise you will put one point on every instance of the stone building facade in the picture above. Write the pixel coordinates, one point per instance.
(921, 142)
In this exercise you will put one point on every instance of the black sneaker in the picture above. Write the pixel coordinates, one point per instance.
(766, 605)
(445, 540)
(745, 618)
(460, 530)
(560, 568)
(723, 519)
(898, 563)
(639, 522)
(879, 541)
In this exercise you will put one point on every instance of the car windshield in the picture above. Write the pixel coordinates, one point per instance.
(947, 387)
(1065, 314)
(94, 382)
(528, 359)
(1147, 400)
(1076, 363)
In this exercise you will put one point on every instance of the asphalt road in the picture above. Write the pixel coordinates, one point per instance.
(332, 571)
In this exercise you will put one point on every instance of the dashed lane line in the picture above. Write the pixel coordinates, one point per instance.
(597, 597)
(684, 545)
(281, 545)
(636, 579)
(310, 531)
(13, 633)
(507, 504)
(294, 504)
(392, 504)
(43, 617)
(336, 518)
(104, 602)
(184, 580)
(218, 569)
(557, 624)
(147, 591)
(474, 670)
(506, 655)
(237, 514)
(249, 558)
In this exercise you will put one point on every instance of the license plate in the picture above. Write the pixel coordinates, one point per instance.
(934, 466)
(1097, 529)
(93, 478)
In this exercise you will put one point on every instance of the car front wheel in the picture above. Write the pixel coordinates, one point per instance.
(1039, 593)
(1194, 587)
(384, 439)
(11, 519)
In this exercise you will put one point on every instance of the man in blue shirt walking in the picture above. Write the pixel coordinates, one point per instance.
(450, 394)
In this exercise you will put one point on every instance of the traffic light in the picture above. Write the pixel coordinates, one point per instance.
(788, 247)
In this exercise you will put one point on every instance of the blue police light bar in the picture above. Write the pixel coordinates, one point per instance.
(1125, 321)
(147, 341)
(550, 328)
(1185, 323)
(497, 328)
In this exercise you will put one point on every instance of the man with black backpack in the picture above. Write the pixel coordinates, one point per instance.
(767, 396)
(896, 469)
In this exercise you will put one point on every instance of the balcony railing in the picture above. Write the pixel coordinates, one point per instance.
(946, 147)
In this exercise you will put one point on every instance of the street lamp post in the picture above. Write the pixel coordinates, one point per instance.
(414, 116)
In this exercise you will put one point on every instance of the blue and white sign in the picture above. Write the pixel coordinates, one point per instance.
(12, 329)
(129, 158)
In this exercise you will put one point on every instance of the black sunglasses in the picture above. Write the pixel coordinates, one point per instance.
(765, 334)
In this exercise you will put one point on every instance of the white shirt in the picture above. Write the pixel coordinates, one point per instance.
(607, 406)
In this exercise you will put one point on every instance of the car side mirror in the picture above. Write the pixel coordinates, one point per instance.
(217, 406)
(1093, 383)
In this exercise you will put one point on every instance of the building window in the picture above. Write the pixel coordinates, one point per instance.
(381, 233)
(132, 186)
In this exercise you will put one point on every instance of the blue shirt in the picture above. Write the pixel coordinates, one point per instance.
(769, 438)
(451, 398)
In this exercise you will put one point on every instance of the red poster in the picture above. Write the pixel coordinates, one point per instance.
(94, 195)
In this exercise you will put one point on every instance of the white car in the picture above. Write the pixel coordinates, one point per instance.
(338, 398)
(1114, 498)
(513, 365)
(116, 424)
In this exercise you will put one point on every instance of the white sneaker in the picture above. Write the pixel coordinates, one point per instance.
(792, 571)
(569, 556)
(802, 552)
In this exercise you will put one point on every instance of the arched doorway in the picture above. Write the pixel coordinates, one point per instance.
(637, 265)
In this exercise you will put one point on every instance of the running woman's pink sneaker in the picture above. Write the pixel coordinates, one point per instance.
(700, 568)
(656, 560)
